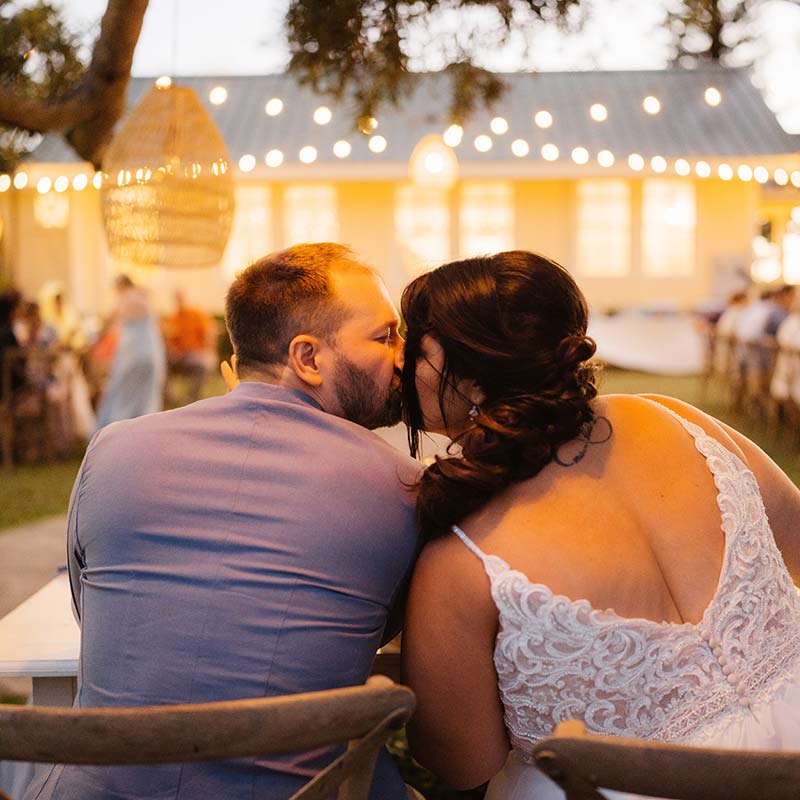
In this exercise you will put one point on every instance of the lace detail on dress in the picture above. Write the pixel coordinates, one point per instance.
(559, 659)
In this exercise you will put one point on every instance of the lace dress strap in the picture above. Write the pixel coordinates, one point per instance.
(494, 565)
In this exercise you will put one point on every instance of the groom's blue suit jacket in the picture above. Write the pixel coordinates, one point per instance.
(249, 545)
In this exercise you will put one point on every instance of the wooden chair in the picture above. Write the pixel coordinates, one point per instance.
(581, 763)
(362, 715)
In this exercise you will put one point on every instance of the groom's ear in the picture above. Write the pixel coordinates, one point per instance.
(305, 359)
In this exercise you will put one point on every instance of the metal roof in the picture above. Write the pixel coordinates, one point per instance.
(741, 125)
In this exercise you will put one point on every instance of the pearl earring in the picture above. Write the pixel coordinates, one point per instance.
(473, 412)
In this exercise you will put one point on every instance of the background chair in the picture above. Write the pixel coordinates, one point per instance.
(362, 715)
(580, 763)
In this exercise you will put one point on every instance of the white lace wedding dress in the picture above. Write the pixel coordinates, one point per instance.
(732, 680)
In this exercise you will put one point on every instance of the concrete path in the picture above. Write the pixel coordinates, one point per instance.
(29, 558)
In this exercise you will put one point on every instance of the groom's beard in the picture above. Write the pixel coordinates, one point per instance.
(360, 399)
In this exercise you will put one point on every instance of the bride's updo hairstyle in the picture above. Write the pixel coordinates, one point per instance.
(515, 323)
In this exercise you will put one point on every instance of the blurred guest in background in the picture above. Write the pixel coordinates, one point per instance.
(136, 383)
(189, 335)
(9, 302)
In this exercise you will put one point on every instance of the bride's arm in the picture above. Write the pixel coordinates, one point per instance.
(457, 730)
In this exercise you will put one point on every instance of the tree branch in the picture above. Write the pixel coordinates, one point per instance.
(87, 114)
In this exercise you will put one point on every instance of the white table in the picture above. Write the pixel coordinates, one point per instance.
(40, 639)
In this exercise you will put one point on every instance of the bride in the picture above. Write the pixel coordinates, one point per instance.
(623, 560)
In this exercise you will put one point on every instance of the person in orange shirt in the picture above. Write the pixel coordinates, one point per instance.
(188, 334)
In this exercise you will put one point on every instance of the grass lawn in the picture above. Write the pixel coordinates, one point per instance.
(39, 490)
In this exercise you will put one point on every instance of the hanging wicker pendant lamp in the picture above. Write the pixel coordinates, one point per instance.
(168, 194)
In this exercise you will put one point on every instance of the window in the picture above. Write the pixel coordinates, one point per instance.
(422, 227)
(668, 223)
(310, 213)
(251, 234)
(486, 217)
(604, 228)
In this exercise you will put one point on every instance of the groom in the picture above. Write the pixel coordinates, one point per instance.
(254, 544)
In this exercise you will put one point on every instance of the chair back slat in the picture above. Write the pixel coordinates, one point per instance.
(581, 763)
(199, 732)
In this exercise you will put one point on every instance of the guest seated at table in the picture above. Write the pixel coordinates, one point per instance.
(678, 531)
(250, 545)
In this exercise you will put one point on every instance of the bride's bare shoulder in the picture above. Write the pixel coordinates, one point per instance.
(645, 406)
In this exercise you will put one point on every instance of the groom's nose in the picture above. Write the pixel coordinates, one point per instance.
(399, 353)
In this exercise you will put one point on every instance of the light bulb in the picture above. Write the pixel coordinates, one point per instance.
(499, 125)
(323, 115)
(520, 148)
(308, 154)
(652, 105)
(483, 143)
(598, 112)
(342, 149)
(218, 95)
(453, 136)
(273, 107)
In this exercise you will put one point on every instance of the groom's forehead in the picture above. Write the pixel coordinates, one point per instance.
(365, 295)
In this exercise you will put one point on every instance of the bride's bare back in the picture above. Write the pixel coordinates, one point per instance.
(633, 526)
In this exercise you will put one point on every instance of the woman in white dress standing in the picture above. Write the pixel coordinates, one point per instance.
(601, 558)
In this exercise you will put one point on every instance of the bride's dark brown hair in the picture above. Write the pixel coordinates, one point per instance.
(515, 323)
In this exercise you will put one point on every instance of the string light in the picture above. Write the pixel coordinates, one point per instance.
(164, 82)
(273, 107)
(342, 149)
(780, 176)
(308, 154)
(658, 164)
(247, 162)
(761, 174)
(712, 96)
(61, 183)
(549, 152)
(795, 178)
(543, 119)
(97, 180)
(453, 136)
(605, 158)
(323, 115)
(43, 185)
(702, 169)
(218, 95)
(367, 125)
(725, 171)
(273, 158)
(499, 125)
(377, 144)
(520, 148)
(20, 180)
(652, 105)
(5, 183)
(580, 155)
(635, 162)
(598, 112)
(744, 172)
(483, 143)
(80, 182)
(683, 167)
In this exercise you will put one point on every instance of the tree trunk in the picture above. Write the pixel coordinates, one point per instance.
(87, 115)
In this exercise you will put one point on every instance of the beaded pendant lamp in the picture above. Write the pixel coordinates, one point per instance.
(168, 194)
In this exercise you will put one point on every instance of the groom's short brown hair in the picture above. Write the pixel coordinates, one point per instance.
(283, 295)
